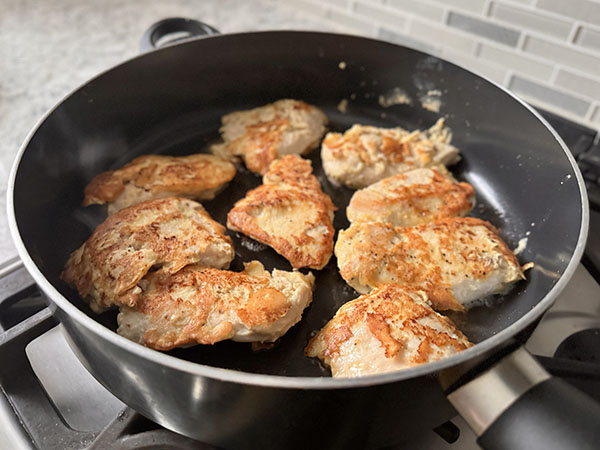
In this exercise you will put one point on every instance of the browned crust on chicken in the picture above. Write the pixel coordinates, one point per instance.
(450, 259)
(391, 328)
(203, 306)
(364, 154)
(290, 213)
(164, 234)
(149, 177)
(263, 134)
(412, 198)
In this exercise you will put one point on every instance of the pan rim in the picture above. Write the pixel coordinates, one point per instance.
(279, 381)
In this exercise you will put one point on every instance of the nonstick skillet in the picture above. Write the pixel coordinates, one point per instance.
(170, 101)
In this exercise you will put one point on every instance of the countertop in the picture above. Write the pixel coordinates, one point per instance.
(48, 48)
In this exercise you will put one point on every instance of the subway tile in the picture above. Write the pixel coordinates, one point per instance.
(589, 38)
(579, 84)
(381, 15)
(567, 56)
(475, 6)
(531, 20)
(363, 27)
(518, 62)
(548, 95)
(584, 10)
(523, 2)
(482, 28)
(419, 7)
(309, 7)
(403, 39)
(340, 3)
(485, 68)
(440, 35)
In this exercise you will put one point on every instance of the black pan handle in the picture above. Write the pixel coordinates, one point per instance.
(516, 404)
(172, 31)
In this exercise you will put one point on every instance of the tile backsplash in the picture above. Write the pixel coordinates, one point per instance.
(546, 51)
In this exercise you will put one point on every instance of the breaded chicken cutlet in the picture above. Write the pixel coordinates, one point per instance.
(364, 154)
(289, 212)
(163, 235)
(392, 328)
(411, 198)
(263, 134)
(456, 261)
(148, 177)
(203, 306)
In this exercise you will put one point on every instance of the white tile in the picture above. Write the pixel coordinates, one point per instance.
(549, 95)
(589, 38)
(515, 61)
(383, 15)
(428, 10)
(564, 54)
(438, 35)
(351, 22)
(584, 10)
(475, 6)
(531, 20)
(579, 84)
(483, 28)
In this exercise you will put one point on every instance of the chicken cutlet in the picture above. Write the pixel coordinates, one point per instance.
(163, 235)
(364, 154)
(263, 134)
(148, 177)
(203, 306)
(456, 261)
(411, 198)
(392, 328)
(290, 213)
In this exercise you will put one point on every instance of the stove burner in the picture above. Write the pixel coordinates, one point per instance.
(582, 346)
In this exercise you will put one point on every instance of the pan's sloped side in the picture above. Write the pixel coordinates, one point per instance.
(241, 416)
(171, 101)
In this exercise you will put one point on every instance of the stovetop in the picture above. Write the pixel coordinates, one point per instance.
(50, 401)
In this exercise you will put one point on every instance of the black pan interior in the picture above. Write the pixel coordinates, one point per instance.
(171, 101)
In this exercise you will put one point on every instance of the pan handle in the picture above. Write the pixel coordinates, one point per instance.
(517, 404)
(172, 31)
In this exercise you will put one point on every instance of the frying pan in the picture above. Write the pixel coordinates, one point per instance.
(170, 101)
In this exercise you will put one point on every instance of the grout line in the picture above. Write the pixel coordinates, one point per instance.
(507, 78)
(590, 112)
(521, 41)
(554, 75)
(487, 9)
(574, 32)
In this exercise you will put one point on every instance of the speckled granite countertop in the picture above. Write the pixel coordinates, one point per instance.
(49, 47)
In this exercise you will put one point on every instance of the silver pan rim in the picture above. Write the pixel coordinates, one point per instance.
(278, 381)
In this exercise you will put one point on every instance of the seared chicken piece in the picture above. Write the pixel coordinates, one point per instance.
(392, 328)
(290, 213)
(263, 134)
(148, 177)
(411, 198)
(164, 234)
(202, 306)
(456, 261)
(364, 155)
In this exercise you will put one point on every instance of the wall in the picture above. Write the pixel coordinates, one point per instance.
(546, 51)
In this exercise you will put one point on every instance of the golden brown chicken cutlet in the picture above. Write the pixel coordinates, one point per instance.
(290, 213)
(203, 306)
(411, 198)
(392, 328)
(456, 261)
(148, 177)
(263, 134)
(365, 154)
(163, 235)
